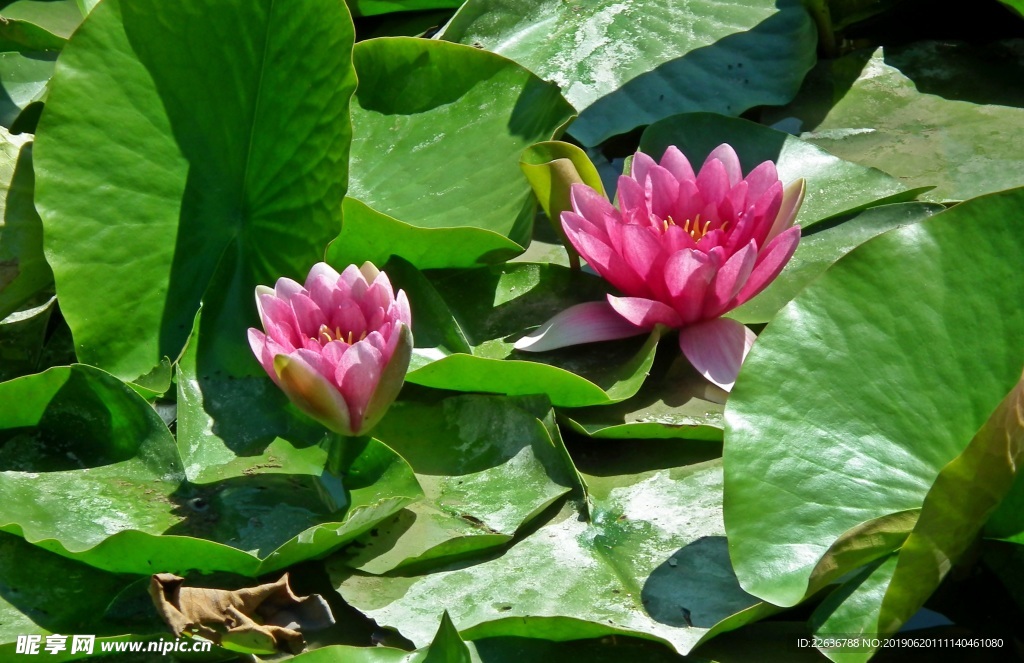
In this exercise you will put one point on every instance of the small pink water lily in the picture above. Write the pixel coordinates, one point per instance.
(683, 249)
(338, 347)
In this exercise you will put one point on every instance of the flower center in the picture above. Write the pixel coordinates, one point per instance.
(693, 228)
(328, 335)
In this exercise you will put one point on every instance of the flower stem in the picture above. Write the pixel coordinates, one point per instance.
(342, 450)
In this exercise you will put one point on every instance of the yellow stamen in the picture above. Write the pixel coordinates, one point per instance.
(337, 335)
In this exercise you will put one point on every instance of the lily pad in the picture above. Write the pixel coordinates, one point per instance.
(446, 647)
(492, 307)
(216, 161)
(89, 471)
(60, 18)
(652, 563)
(877, 374)
(834, 186)
(674, 402)
(457, 130)
(964, 494)
(487, 466)
(930, 113)
(42, 593)
(374, 236)
(821, 247)
(626, 64)
(22, 337)
(377, 7)
(239, 425)
(1015, 5)
(23, 269)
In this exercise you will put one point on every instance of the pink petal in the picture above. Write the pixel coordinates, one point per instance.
(640, 249)
(583, 323)
(391, 378)
(732, 205)
(322, 271)
(645, 313)
(713, 182)
(676, 163)
(323, 290)
(633, 200)
(400, 310)
(332, 353)
(317, 360)
(278, 319)
(765, 211)
(687, 275)
(348, 317)
(728, 281)
(743, 230)
(676, 239)
(358, 374)
(308, 315)
(286, 288)
(727, 157)
(792, 198)
(573, 222)
(761, 178)
(664, 189)
(591, 205)
(640, 166)
(259, 344)
(609, 264)
(312, 393)
(770, 262)
(378, 296)
(354, 280)
(717, 348)
(689, 203)
(376, 339)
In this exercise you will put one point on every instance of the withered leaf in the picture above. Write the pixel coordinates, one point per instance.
(261, 619)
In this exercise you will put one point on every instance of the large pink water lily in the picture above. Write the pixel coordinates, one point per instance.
(683, 249)
(338, 347)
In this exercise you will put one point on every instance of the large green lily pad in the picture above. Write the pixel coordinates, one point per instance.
(878, 374)
(216, 160)
(457, 129)
(932, 113)
(626, 64)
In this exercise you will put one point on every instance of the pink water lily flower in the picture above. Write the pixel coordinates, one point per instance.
(339, 347)
(683, 249)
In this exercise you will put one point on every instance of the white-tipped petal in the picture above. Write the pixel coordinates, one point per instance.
(792, 198)
(286, 288)
(583, 323)
(728, 157)
(369, 271)
(324, 270)
(717, 348)
(312, 393)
